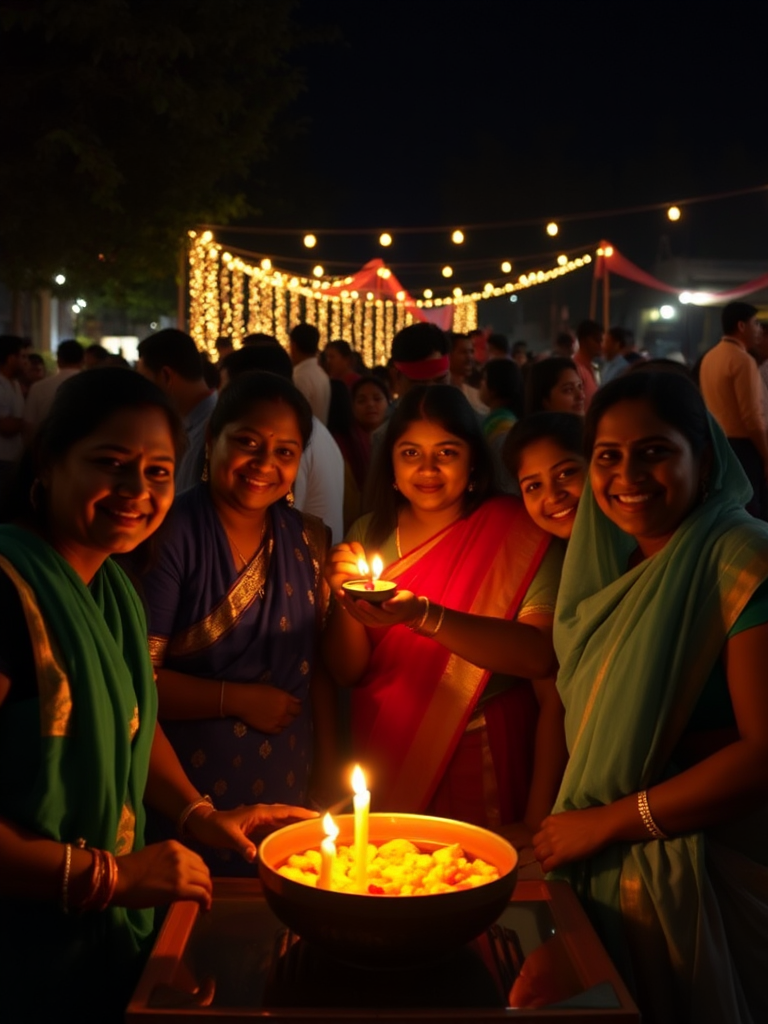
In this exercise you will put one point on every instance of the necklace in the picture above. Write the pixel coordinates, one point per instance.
(397, 541)
(239, 553)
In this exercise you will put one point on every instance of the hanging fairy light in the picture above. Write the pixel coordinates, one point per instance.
(506, 267)
(562, 260)
(385, 239)
(552, 229)
(318, 271)
(457, 237)
(310, 241)
(673, 213)
(447, 271)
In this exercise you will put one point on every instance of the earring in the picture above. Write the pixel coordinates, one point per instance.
(471, 487)
(290, 499)
(394, 484)
(204, 474)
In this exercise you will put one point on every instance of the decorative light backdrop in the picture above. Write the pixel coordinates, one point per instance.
(228, 295)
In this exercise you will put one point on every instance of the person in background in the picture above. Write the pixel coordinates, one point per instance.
(319, 488)
(36, 370)
(96, 356)
(354, 417)
(81, 753)
(521, 354)
(224, 347)
(501, 391)
(461, 366)
(661, 631)
(617, 343)
(171, 360)
(590, 336)
(11, 417)
(69, 360)
(554, 385)
(308, 376)
(498, 347)
(236, 602)
(340, 362)
(730, 383)
(566, 345)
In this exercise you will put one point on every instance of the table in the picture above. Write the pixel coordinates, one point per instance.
(237, 963)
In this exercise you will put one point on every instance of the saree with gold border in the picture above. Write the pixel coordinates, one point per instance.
(413, 726)
(685, 919)
(260, 625)
(74, 758)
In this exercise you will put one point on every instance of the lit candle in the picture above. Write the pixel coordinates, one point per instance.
(365, 574)
(377, 568)
(327, 852)
(362, 803)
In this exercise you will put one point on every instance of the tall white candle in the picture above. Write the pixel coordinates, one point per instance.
(362, 804)
(327, 853)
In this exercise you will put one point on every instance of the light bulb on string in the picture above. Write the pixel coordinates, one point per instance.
(385, 239)
(447, 271)
(310, 241)
(673, 213)
(457, 237)
(506, 267)
(318, 271)
(552, 229)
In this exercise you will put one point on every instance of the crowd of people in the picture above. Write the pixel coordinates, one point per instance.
(572, 656)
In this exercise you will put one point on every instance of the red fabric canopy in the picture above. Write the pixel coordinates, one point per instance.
(382, 285)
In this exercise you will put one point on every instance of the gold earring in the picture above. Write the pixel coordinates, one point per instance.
(204, 474)
(289, 499)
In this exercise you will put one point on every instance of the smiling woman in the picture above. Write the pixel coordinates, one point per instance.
(235, 606)
(80, 752)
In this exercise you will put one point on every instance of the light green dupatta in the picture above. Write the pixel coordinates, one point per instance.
(78, 755)
(635, 649)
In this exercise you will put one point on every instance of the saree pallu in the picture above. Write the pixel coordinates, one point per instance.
(411, 710)
(256, 626)
(78, 756)
(636, 649)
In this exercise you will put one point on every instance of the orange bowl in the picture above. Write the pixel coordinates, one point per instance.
(388, 930)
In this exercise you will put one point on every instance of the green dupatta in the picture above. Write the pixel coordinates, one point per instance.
(635, 649)
(79, 754)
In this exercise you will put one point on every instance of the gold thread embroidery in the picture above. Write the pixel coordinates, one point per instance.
(284, 624)
(198, 759)
(265, 749)
(157, 645)
(299, 555)
(258, 787)
(311, 597)
(55, 695)
(126, 830)
(133, 725)
(289, 589)
(292, 742)
(247, 588)
(237, 761)
(240, 729)
(304, 667)
(220, 787)
(290, 779)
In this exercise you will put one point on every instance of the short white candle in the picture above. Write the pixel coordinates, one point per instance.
(362, 804)
(327, 853)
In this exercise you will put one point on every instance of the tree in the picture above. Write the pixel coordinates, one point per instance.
(126, 122)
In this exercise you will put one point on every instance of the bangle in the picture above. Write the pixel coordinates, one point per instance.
(221, 700)
(65, 878)
(190, 809)
(418, 625)
(645, 814)
(438, 627)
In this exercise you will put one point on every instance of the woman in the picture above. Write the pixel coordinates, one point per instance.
(661, 632)
(501, 390)
(554, 385)
(235, 603)
(543, 452)
(79, 748)
(434, 731)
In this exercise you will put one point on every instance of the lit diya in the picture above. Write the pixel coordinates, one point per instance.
(369, 587)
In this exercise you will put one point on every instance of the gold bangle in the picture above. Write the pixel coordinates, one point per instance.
(190, 809)
(418, 625)
(65, 878)
(438, 627)
(645, 814)
(221, 700)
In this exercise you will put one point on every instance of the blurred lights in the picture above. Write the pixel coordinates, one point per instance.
(385, 239)
(318, 271)
(310, 241)
(562, 261)
(506, 267)
(266, 264)
(60, 279)
(667, 312)
(513, 298)
(552, 229)
(447, 271)
(673, 213)
(457, 237)
(427, 293)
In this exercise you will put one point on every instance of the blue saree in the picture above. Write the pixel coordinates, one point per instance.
(256, 626)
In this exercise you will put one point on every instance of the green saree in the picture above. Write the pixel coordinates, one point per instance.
(685, 920)
(74, 758)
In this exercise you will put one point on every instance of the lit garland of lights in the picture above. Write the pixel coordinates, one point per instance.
(221, 303)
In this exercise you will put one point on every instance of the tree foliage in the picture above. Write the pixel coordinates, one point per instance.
(126, 122)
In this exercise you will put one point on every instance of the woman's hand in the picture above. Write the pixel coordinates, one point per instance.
(572, 835)
(230, 829)
(160, 874)
(341, 566)
(403, 607)
(265, 708)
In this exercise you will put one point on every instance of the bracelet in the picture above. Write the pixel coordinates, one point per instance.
(417, 626)
(189, 809)
(221, 700)
(645, 814)
(65, 878)
(438, 627)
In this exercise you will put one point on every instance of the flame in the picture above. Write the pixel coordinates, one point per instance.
(330, 827)
(358, 780)
(362, 567)
(377, 567)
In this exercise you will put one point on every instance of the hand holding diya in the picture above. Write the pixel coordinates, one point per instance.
(369, 587)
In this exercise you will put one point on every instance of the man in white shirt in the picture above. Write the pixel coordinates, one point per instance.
(11, 417)
(69, 359)
(308, 375)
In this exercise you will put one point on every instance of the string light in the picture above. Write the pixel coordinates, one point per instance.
(310, 241)
(506, 267)
(562, 261)
(552, 229)
(457, 237)
(673, 213)
(318, 271)
(447, 271)
(385, 239)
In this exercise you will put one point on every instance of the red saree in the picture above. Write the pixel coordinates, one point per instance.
(411, 710)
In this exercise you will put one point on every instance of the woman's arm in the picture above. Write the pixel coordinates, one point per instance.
(550, 754)
(346, 649)
(722, 787)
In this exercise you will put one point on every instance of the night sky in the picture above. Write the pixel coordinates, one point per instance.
(450, 113)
